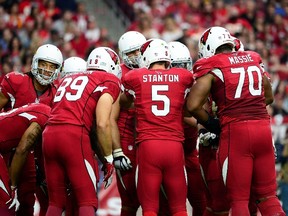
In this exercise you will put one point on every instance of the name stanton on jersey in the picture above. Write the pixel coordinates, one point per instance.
(240, 59)
(161, 78)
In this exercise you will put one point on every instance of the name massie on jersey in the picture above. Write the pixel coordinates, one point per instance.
(240, 59)
(160, 78)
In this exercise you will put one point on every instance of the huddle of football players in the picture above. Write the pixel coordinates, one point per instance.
(170, 131)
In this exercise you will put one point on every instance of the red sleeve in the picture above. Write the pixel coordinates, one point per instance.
(110, 85)
(127, 82)
(113, 88)
(201, 67)
(42, 112)
(11, 83)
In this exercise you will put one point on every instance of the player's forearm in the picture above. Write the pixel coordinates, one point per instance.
(26, 143)
(17, 164)
(105, 138)
(115, 136)
(200, 114)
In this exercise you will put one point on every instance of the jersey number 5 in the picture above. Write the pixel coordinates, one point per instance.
(162, 98)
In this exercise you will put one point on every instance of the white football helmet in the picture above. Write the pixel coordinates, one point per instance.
(49, 53)
(213, 38)
(180, 55)
(106, 59)
(154, 50)
(73, 65)
(129, 42)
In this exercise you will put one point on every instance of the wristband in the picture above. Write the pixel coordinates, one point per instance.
(109, 158)
(212, 125)
(117, 152)
(202, 131)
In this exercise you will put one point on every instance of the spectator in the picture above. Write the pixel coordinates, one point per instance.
(92, 34)
(79, 43)
(144, 25)
(81, 16)
(15, 19)
(15, 50)
(50, 10)
(171, 30)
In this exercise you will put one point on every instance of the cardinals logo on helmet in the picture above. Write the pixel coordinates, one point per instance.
(204, 37)
(237, 44)
(113, 56)
(144, 46)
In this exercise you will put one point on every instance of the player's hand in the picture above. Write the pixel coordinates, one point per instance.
(121, 161)
(212, 125)
(108, 170)
(13, 201)
(207, 138)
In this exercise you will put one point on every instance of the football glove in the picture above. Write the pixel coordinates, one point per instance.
(207, 138)
(13, 201)
(121, 161)
(212, 125)
(108, 170)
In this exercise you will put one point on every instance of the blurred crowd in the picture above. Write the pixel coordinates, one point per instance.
(261, 25)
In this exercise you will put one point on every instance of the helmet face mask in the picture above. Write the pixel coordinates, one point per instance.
(154, 50)
(46, 56)
(213, 38)
(106, 59)
(132, 59)
(129, 45)
(186, 65)
(180, 55)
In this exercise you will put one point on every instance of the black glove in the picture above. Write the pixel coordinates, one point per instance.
(207, 138)
(212, 125)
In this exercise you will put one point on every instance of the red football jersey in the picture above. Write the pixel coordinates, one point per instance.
(77, 95)
(238, 85)
(159, 97)
(19, 88)
(14, 123)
